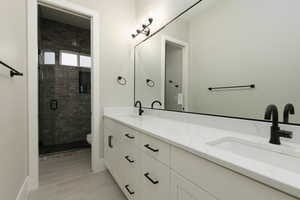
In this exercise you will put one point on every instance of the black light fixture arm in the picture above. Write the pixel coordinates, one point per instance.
(13, 72)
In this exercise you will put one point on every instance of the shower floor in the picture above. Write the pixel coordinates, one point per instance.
(63, 147)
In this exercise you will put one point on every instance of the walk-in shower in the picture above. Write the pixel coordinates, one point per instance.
(64, 81)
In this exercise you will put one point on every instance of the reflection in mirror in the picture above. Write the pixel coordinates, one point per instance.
(229, 58)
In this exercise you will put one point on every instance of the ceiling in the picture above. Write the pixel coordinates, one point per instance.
(64, 16)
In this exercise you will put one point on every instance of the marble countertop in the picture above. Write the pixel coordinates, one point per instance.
(195, 138)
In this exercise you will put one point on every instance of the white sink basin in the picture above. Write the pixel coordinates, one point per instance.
(285, 157)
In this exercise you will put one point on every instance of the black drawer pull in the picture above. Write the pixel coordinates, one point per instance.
(128, 159)
(150, 179)
(109, 141)
(150, 148)
(129, 136)
(128, 190)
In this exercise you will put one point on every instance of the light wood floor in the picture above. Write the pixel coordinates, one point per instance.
(68, 177)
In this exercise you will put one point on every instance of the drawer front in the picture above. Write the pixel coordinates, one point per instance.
(130, 162)
(130, 191)
(129, 135)
(223, 183)
(156, 149)
(154, 180)
(129, 169)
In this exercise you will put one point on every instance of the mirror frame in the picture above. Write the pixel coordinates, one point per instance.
(197, 113)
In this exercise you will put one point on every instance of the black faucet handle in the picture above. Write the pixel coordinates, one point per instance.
(141, 112)
(285, 134)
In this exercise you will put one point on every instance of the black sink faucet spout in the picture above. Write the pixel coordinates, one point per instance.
(154, 102)
(272, 113)
(288, 110)
(276, 133)
(140, 107)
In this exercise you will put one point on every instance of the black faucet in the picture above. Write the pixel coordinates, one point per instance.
(288, 109)
(154, 102)
(140, 107)
(276, 133)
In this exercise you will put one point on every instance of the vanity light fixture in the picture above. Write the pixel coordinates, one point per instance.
(145, 29)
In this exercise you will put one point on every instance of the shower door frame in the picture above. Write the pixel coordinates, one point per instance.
(32, 86)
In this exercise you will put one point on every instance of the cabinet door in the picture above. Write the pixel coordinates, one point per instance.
(182, 189)
(111, 152)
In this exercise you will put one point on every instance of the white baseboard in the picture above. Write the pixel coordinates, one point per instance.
(23, 193)
(98, 165)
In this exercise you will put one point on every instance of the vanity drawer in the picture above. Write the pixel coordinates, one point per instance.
(222, 182)
(129, 159)
(154, 179)
(130, 190)
(129, 135)
(156, 149)
(129, 168)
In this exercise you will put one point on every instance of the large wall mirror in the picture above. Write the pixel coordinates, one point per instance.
(229, 58)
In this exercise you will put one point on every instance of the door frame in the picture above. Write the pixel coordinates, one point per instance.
(97, 163)
(185, 64)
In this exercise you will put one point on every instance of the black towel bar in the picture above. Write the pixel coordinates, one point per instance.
(232, 87)
(13, 72)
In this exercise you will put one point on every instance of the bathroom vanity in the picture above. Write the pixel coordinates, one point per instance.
(152, 157)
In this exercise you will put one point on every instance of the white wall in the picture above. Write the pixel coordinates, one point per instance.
(13, 104)
(239, 42)
(116, 21)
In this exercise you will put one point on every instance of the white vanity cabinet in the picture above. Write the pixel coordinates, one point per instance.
(154, 179)
(182, 189)
(111, 148)
(129, 165)
(121, 156)
(147, 168)
(139, 163)
(223, 183)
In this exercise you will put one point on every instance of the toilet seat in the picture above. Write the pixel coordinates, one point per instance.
(89, 138)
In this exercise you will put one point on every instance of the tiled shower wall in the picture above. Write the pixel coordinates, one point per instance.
(71, 122)
(57, 36)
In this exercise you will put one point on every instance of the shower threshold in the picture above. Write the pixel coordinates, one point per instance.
(44, 150)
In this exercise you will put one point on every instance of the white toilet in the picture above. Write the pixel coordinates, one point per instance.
(89, 138)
